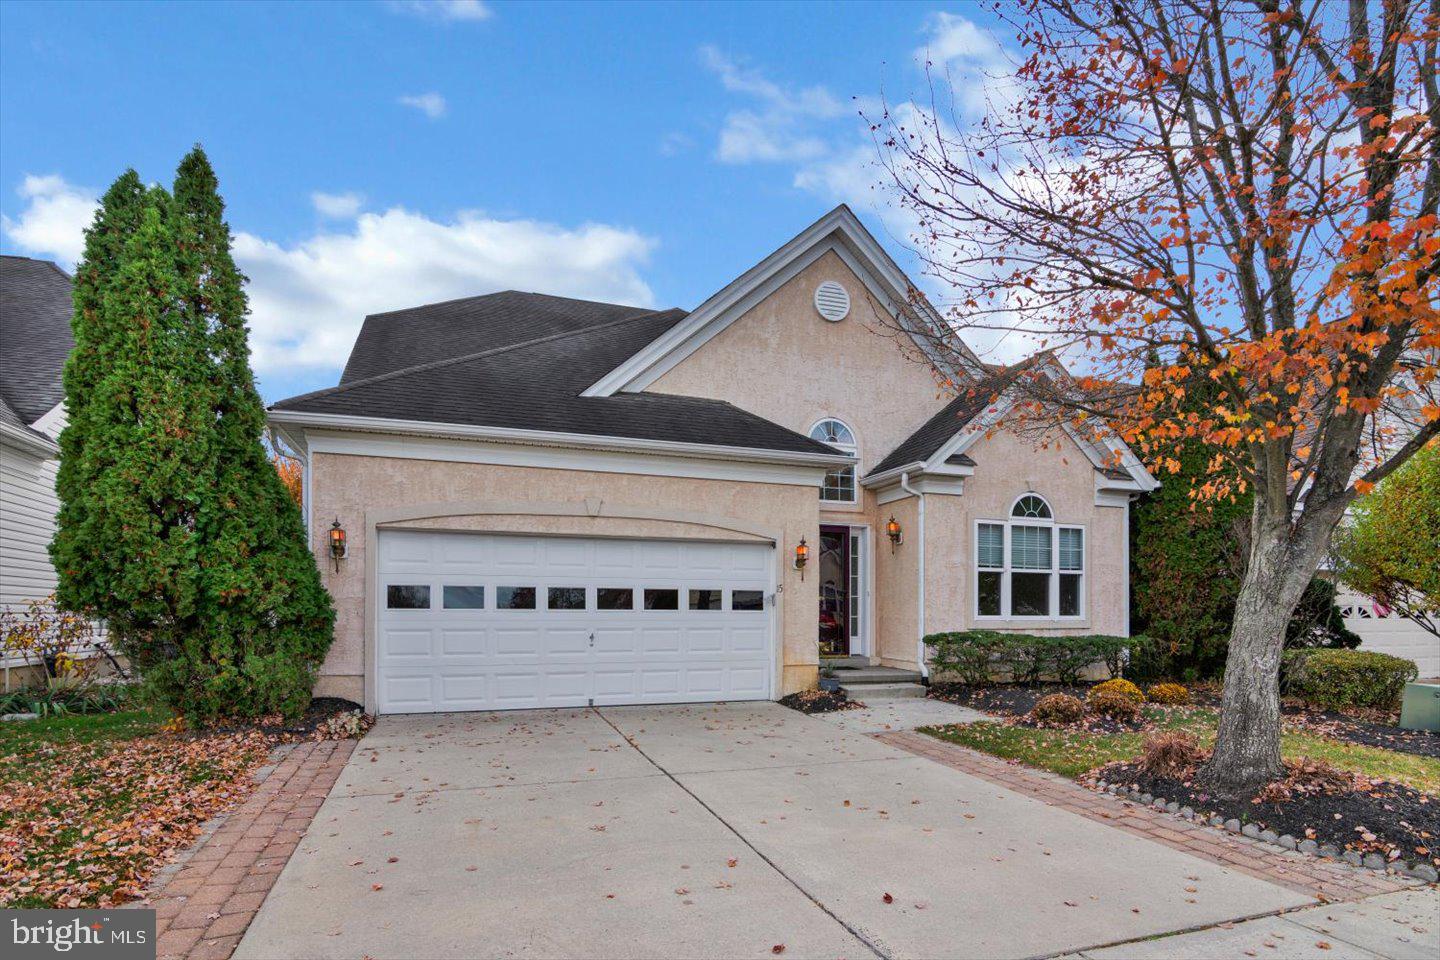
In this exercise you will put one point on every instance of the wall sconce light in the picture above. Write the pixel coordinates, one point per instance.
(893, 531)
(337, 543)
(802, 554)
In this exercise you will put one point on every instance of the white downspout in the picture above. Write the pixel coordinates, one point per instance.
(920, 592)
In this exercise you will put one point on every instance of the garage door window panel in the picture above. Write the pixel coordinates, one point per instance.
(614, 598)
(566, 598)
(407, 596)
(707, 599)
(454, 597)
(747, 600)
(515, 598)
(662, 599)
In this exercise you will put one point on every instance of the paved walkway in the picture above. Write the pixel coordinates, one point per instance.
(886, 716)
(204, 907)
(1396, 926)
(712, 831)
(1324, 880)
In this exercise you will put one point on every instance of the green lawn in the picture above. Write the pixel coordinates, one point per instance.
(1072, 753)
(82, 728)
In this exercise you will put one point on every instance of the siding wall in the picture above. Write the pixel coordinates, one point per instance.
(27, 522)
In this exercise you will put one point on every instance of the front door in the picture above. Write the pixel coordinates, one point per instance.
(834, 591)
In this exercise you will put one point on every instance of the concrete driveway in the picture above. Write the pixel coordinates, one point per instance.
(708, 831)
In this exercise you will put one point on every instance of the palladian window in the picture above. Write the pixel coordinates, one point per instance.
(839, 484)
(1028, 566)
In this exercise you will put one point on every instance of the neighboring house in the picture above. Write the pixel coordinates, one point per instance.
(35, 339)
(551, 502)
(1383, 630)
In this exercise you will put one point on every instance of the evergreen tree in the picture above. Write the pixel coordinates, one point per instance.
(137, 451)
(1187, 563)
(266, 617)
(78, 552)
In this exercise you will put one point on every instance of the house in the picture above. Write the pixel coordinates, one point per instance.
(35, 339)
(550, 502)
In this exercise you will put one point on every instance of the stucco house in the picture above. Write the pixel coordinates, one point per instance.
(551, 502)
(35, 339)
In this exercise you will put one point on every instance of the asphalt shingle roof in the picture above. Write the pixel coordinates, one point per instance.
(533, 379)
(35, 337)
(937, 431)
(439, 331)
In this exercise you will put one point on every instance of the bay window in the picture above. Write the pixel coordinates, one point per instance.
(1028, 566)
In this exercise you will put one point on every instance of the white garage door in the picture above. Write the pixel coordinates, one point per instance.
(494, 622)
(1385, 631)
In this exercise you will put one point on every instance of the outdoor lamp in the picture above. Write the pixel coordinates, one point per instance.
(893, 531)
(802, 554)
(337, 543)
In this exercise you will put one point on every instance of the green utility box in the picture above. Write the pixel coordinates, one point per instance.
(1420, 710)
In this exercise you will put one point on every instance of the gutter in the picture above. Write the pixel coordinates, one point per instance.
(920, 592)
(548, 438)
(29, 440)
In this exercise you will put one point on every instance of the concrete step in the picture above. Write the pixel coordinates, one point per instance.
(876, 675)
(870, 692)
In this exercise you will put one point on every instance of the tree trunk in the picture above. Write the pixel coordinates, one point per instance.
(1247, 748)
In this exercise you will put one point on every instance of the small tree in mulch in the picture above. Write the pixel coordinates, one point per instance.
(173, 525)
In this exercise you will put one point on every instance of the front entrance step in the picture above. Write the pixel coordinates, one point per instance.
(876, 675)
(871, 692)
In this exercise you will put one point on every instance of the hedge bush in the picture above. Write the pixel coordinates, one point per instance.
(1332, 679)
(976, 657)
(1112, 704)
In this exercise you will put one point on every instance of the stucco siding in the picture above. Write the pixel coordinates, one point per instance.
(783, 361)
(364, 490)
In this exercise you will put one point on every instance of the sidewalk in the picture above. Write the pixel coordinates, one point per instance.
(1396, 926)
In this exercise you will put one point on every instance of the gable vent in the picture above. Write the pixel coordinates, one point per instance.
(831, 301)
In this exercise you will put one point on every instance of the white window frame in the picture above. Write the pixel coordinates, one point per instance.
(851, 448)
(1005, 569)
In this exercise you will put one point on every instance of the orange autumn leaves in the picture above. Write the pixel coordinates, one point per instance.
(85, 824)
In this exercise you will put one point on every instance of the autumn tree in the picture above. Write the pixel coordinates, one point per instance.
(1392, 549)
(291, 476)
(1247, 189)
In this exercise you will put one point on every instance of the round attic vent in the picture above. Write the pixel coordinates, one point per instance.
(831, 301)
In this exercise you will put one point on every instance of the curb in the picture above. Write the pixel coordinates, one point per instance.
(1414, 870)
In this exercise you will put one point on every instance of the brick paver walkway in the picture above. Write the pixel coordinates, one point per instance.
(1326, 879)
(203, 910)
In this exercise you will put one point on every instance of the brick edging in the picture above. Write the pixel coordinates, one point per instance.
(1323, 879)
(204, 908)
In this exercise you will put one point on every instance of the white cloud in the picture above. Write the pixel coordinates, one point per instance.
(337, 206)
(307, 299)
(674, 143)
(445, 10)
(952, 37)
(970, 61)
(431, 104)
(780, 125)
(54, 219)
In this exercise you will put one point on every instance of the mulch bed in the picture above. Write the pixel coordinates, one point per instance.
(320, 710)
(1368, 728)
(820, 701)
(1370, 816)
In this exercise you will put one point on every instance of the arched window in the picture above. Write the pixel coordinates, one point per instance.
(839, 483)
(1031, 507)
(1029, 566)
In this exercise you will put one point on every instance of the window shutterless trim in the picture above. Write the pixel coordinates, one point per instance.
(1006, 570)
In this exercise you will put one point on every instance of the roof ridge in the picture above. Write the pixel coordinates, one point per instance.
(493, 351)
(496, 293)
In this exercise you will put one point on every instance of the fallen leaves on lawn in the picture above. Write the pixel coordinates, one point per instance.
(84, 824)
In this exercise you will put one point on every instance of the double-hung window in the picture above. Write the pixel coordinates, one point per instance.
(1028, 566)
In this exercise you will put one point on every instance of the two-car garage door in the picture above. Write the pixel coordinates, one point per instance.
(495, 622)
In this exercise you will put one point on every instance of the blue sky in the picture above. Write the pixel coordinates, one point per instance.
(382, 155)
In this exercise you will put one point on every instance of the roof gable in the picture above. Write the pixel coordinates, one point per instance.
(839, 230)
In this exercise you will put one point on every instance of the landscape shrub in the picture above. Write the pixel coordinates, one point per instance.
(1058, 708)
(978, 657)
(1170, 694)
(1171, 753)
(1116, 706)
(1120, 687)
(1333, 679)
